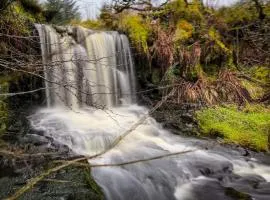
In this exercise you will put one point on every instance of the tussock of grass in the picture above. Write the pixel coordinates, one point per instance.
(248, 127)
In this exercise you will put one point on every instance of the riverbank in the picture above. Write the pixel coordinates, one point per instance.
(248, 126)
(75, 182)
(25, 154)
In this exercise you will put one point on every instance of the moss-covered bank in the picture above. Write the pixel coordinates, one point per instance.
(248, 126)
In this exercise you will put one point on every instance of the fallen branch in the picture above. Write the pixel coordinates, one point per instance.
(39, 178)
(62, 181)
(129, 162)
(34, 181)
(141, 160)
(132, 128)
(22, 93)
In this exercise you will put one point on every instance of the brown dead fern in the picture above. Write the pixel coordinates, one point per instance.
(226, 88)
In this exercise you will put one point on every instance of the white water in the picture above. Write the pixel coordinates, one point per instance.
(82, 67)
(203, 173)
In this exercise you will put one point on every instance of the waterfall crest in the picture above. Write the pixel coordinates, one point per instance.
(84, 67)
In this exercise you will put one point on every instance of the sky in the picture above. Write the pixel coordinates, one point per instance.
(90, 8)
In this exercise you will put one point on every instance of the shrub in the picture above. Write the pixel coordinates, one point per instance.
(137, 29)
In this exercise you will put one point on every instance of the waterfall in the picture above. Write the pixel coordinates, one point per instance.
(84, 67)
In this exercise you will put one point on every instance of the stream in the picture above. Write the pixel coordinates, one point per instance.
(207, 171)
(91, 102)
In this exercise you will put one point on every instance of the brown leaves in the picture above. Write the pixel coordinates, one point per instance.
(189, 59)
(226, 88)
(230, 88)
(163, 48)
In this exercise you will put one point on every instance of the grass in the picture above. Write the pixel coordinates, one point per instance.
(248, 126)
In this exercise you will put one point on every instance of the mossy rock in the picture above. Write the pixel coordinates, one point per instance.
(231, 192)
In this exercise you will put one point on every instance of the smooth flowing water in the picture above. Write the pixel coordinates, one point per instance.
(85, 69)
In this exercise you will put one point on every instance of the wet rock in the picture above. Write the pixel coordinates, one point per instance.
(60, 29)
(246, 153)
(187, 117)
(16, 171)
(179, 119)
(35, 139)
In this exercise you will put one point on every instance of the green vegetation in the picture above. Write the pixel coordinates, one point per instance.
(90, 24)
(16, 19)
(92, 184)
(259, 81)
(32, 6)
(3, 108)
(183, 31)
(61, 12)
(214, 56)
(260, 73)
(248, 126)
(255, 90)
(137, 29)
(208, 53)
(200, 42)
(231, 192)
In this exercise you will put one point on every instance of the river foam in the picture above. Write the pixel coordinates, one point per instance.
(89, 131)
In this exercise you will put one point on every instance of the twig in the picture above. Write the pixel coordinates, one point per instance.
(32, 182)
(141, 160)
(37, 179)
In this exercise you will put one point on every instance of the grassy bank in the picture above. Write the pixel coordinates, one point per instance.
(248, 127)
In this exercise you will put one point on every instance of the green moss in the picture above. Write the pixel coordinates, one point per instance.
(261, 73)
(248, 127)
(215, 36)
(179, 9)
(220, 48)
(24, 15)
(184, 31)
(261, 76)
(137, 29)
(92, 184)
(231, 192)
(17, 21)
(254, 89)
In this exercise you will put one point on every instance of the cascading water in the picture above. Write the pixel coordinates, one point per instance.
(86, 69)
(83, 67)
